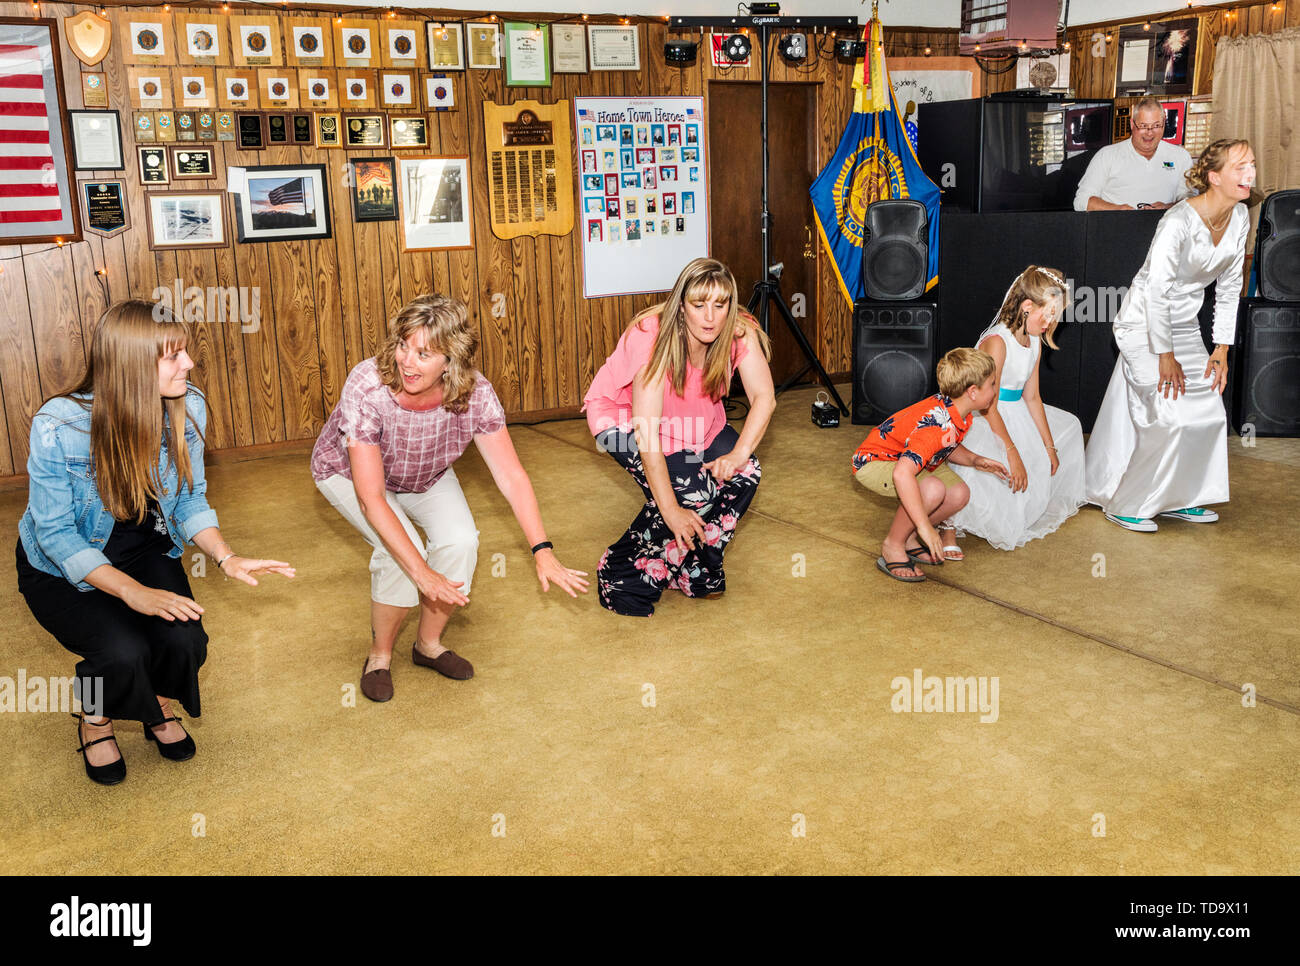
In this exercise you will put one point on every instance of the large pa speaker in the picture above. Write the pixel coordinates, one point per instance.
(1277, 247)
(893, 357)
(1267, 372)
(895, 250)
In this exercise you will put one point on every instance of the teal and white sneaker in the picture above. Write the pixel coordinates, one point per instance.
(1134, 523)
(1192, 514)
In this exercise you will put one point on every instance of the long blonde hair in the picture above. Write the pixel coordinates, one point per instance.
(703, 278)
(127, 421)
(1213, 158)
(446, 330)
(1040, 285)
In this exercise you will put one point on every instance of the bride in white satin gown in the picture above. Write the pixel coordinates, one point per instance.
(1159, 446)
(1042, 446)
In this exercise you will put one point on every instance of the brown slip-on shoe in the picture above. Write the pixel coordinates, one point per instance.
(449, 664)
(377, 685)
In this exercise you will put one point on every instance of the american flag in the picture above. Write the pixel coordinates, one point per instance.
(289, 193)
(29, 192)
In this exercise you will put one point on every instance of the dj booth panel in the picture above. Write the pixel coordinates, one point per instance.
(1099, 253)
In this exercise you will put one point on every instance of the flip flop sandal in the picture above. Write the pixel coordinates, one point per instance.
(887, 568)
(961, 555)
(914, 555)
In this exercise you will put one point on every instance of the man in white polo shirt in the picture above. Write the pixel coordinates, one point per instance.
(1143, 172)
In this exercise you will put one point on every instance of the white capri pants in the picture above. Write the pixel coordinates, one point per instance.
(440, 511)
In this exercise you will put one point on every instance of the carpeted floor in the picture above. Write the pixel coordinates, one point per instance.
(748, 734)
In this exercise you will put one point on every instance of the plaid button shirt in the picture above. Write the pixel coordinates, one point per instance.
(416, 447)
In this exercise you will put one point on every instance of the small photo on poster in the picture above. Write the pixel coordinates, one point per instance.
(692, 134)
(593, 206)
(615, 232)
(665, 227)
(642, 135)
(612, 210)
(592, 182)
(680, 226)
(648, 179)
(631, 179)
(690, 154)
(651, 205)
(695, 173)
(586, 135)
(594, 232)
(668, 172)
(657, 135)
(606, 132)
(589, 162)
(611, 184)
(670, 203)
(688, 202)
(633, 229)
(625, 157)
(674, 135)
(645, 156)
(625, 135)
(629, 207)
(609, 162)
(650, 227)
(667, 155)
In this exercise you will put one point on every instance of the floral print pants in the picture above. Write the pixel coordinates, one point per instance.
(646, 560)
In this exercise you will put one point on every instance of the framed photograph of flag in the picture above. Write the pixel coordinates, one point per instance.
(39, 203)
(280, 202)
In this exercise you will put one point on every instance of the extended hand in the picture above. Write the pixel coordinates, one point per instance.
(243, 568)
(1019, 477)
(435, 586)
(1217, 369)
(687, 525)
(551, 571)
(1172, 378)
(154, 602)
(1056, 462)
(992, 466)
(726, 466)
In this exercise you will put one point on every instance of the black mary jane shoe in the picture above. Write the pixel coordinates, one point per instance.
(109, 774)
(182, 750)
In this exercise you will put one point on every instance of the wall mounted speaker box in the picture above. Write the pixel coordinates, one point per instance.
(893, 357)
(1266, 371)
(895, 250)
(1277, 247)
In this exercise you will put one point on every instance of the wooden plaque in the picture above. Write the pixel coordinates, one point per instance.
(194, 86)
(202, 39)
(529, 147)
(357, 89)
(401, 44)
(357, 42)
(255, 42)
(309, 42)
(90, 36)
(237, 89)
(318, 89)
(278, 87)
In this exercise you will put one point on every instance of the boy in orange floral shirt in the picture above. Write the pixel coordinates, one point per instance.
(903, 457)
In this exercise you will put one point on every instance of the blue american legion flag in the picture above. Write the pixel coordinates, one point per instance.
(875, 161)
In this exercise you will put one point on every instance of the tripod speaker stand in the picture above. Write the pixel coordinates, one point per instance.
(767, 291)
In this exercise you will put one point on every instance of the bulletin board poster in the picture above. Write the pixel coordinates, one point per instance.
(643, 191)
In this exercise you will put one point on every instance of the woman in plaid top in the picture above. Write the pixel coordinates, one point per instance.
(384, 461)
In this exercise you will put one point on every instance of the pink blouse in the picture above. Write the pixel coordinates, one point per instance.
(689, 421)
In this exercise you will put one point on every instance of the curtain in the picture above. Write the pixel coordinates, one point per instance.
(1257, 97)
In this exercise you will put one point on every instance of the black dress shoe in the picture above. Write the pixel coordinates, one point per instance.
(182, 750)
(109, 774)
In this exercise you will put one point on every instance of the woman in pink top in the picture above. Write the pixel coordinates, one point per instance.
(384, 461)
(656, 407)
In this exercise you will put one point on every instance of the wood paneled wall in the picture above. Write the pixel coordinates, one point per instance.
(1094, 76)
(325, 303)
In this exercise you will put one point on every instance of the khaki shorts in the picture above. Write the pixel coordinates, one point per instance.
(878, 476)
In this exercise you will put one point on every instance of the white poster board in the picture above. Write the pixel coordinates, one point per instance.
(643, 195)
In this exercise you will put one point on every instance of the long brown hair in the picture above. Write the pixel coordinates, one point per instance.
(1040, 285)
(702, 278)
(127, 421)
(446, 330)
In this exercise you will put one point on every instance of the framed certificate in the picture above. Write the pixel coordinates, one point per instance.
(484, 40)
(408, 131)
(96, 141)
(528, 58)
(568, 48)
(445, 46)
(364, 130)
(613, 47)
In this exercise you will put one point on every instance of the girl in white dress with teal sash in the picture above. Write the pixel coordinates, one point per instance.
(1041, 445)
